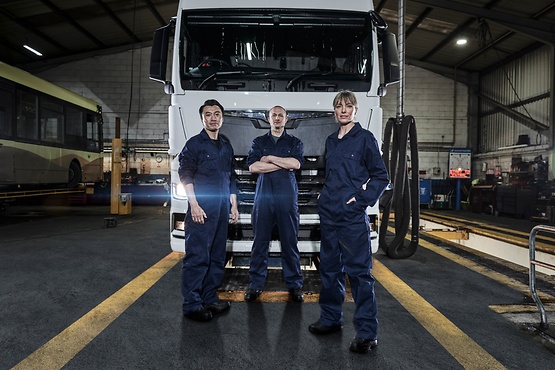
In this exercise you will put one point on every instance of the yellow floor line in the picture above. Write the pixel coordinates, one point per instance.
(63, 347)
(467, 352)
(521, 308)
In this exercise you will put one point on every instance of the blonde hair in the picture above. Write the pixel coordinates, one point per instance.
(346, 96)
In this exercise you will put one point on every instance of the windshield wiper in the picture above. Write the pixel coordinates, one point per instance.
(299, 77)
(228, 73)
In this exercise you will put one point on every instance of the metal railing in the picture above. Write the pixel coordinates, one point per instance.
(532, 273)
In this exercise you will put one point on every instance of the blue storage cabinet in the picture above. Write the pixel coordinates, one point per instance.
(425, 192)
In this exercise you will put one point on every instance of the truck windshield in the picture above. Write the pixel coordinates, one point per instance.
(255, 50)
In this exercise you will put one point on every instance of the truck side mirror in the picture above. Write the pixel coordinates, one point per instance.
(159, 53)
(390, 58)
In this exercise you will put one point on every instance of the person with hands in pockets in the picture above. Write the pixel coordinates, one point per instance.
(356, 177)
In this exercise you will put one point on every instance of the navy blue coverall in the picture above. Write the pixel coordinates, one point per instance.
(275, 202)
(354, 168)
(209, 167)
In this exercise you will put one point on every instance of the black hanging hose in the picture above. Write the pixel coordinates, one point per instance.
(405, 195)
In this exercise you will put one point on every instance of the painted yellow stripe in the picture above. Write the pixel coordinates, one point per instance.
(467, 352)
(63, 347)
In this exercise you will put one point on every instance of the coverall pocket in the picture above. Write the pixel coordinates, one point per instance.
(210, 162)
(351, 157)
(285, 152)
(353, 211)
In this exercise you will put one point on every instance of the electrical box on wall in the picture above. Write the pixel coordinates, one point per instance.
(436, 171)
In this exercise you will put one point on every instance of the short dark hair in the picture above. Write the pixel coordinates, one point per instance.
(275, 106)
(209, 103)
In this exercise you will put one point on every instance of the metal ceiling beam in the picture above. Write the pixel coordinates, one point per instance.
(489, 46)
(456, 32)
(380, 6)
(512, 57)
(29, 27)
(17, 49)
(418, 20)
(520, 103)
(542, 31)
(116, 19)
(39, 66)
(445, 71)
(72, 21)
(525, 120)
(505, 36)
(155, 12)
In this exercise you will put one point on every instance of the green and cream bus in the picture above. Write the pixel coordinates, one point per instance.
(49, 136)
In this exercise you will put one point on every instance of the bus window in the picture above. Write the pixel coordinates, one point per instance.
(27, 127)
(93, 137)
(52, 122)
(75, 136)
(6, 113)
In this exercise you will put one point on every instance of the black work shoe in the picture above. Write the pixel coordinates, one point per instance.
(252, 294)
(320, 329)
(296, 295)
(218, 307)
(199, 315)
(362, 345)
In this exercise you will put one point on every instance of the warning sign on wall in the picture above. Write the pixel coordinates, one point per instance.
(460, 163)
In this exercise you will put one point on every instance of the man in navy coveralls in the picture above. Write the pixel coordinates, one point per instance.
(206, 170)
(275, 157)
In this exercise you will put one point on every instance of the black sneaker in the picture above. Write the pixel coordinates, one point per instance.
(296, 295)
(362, 345)
(320, 329)
(199, 315)
(218, 307)
(252, 294)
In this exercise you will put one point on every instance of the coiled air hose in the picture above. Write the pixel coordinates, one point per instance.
(404, 198)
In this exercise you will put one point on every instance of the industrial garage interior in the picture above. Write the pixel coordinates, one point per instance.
(90, 272)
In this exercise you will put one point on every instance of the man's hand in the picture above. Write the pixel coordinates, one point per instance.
(234, 210)
(198, 214)
(234, 215)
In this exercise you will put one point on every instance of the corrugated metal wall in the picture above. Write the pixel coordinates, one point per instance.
(527, 80)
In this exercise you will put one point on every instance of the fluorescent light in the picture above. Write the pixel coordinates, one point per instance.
(32, 50)
(462, 41)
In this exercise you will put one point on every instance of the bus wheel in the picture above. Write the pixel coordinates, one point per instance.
(74, 175)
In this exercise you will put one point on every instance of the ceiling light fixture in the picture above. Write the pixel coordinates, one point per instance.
(462, 41)
(33, 50)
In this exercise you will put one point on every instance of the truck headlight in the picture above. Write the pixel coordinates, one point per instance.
(179, 191)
